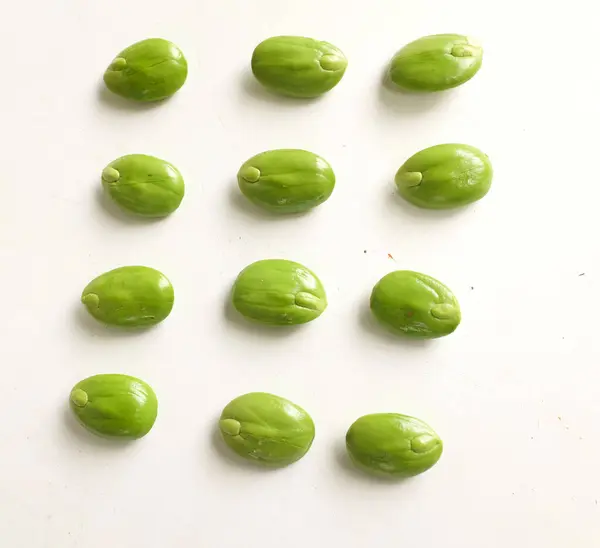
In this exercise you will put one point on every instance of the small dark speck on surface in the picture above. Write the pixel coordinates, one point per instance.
(559, 418)
(344, 146)
(390, 257)
(531, 437)
(582, 274)
(365, 251)
(472, 288)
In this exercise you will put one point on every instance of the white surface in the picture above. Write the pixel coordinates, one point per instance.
(514, 392)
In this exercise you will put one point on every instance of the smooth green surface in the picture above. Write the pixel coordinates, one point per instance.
(298, 66)
(436, 63)
(130, 296)
(415, 305)
(144, 185)
(149, 70)
(393, 445)
(286, 180)
(445, 176)
(279, 292)
(117, 406)
(267, 429)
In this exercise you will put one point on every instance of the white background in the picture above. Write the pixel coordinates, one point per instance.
(514, 393)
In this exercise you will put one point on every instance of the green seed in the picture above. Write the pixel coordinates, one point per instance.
(436, 63)
(149, 70)
(144, 185)
(287, 180)
(115, 405)
(297, 66)
(267, 429)
(393, 445)
(415, 304)
(279, 292)
(130, 296)
(445, 176)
